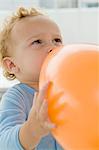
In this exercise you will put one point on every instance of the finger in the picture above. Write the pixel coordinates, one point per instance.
(34, 99)
(49, 125)
(43, 112)
(33, 109)
(43, 116)
(53, 125)
(41, 96)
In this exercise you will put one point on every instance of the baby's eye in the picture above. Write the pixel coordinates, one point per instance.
(37, 42)
(58, 40)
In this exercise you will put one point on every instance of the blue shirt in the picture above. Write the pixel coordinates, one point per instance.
(14, 110)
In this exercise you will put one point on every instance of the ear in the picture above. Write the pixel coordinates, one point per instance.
(10, 66)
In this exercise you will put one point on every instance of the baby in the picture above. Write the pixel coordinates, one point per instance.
(25, 41)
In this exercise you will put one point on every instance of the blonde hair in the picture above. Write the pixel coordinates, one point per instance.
(6, 31)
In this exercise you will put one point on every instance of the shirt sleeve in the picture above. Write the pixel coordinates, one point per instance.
(12, 116)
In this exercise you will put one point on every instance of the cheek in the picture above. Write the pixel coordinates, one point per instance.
(24, 63)
(31, 61)
(38, 63)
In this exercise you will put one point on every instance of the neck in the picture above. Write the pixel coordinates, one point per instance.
(34, 85)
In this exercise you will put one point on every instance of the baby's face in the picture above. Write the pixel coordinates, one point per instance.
(32, 39)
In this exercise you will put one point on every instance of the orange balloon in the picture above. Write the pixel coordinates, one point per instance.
(73, 95)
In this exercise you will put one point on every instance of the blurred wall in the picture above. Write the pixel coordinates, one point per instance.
(78, 25)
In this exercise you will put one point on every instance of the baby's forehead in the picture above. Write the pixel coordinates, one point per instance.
(35, 21)
(32, 24)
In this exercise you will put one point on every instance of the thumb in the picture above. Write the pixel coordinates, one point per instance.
(34, 98)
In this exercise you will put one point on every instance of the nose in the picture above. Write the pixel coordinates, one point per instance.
(50, 50)
(51, 46)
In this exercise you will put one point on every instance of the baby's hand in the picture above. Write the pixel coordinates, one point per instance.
(38, 125)
(38, 117)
